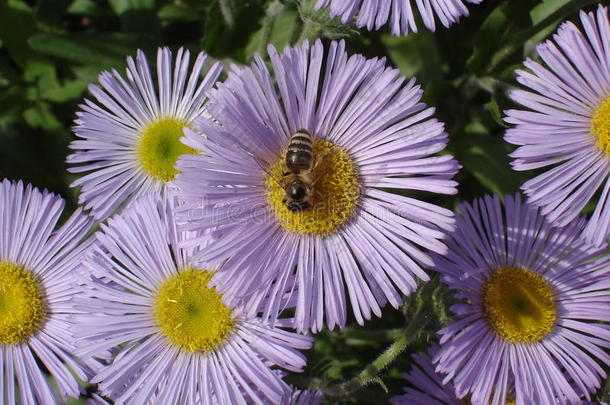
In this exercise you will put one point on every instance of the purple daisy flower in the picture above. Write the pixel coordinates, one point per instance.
(37, 267)
(174, 339)
(304, 397)
(533, 323)
(130, 141)
(369, 132)
(567, 124)
(400, 14)
(429, 388)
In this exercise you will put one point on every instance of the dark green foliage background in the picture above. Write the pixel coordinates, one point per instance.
(50, 50)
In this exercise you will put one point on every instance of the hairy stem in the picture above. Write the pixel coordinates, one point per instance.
(311, 28)
(370, 373)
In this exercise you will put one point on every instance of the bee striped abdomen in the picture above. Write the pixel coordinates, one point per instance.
(299, 156)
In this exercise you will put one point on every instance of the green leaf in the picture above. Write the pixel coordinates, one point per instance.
(17, 24)
(87, 73)
(224, 43)
(122, 6)
(8, 71)
(499, 28)
(279, 28)
(545, 9)
(100, 50)
(11, 101)
(415, 55)
(41, 116)
(496, 113)
(85, 7)
(511, 26)
(486, 158)
(379, 381)
(137, 16)
(283, 28)
(542, 17)
(43, 70)
(69, 90)
(177, 12)
(319, 24)
(227, 9)
(213, 28)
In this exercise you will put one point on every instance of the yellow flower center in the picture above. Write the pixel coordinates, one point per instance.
(160, 147)
(600, 126)
(191, 315)
(334, 197)
(22, 307)
(519, 305)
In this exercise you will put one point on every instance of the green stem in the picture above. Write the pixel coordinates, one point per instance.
(370, 372)
(311, 28)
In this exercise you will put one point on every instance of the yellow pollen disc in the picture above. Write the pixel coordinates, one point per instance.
(519, 305)
(191, 315)
(21, 304)
(160, 147)
(600, 126)
(335, 192)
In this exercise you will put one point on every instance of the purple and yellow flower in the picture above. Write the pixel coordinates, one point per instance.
(304, 397)
(533, 323)
(174, 339)
(38, 261)
(426, 385)
(130, 139)
(358, 240)
(566, 124)
(401, 15)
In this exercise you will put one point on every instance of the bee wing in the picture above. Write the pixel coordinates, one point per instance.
(320, 160)
(262, 165)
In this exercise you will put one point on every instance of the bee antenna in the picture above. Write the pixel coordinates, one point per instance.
(266, 171)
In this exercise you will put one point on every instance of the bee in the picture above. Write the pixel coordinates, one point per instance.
(298, 169)
(297, 178)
